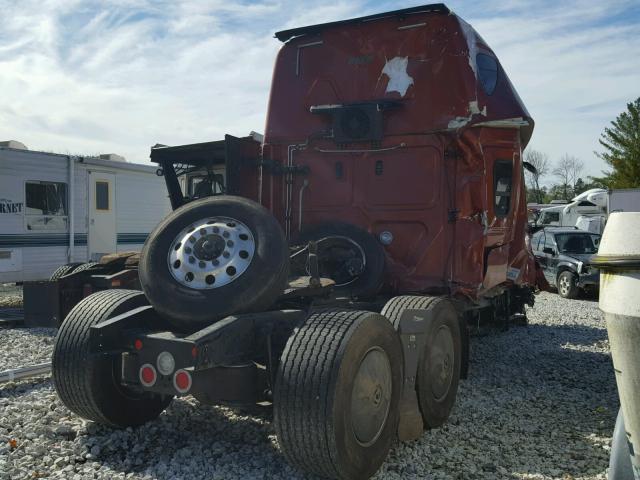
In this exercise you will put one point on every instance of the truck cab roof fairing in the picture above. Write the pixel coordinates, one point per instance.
(423, 57)
(286, 35)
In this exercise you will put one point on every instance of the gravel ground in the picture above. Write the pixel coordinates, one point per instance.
(540, 403)
(10, 295)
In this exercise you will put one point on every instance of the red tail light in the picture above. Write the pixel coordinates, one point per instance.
(147, 375)
(182, 381)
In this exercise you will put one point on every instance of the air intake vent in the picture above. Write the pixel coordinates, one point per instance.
(355, 123)
(359, 122)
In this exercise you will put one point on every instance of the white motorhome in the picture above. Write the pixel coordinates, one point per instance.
(109, 204)
(590, 210)
(589, 204)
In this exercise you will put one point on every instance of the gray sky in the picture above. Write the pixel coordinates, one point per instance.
(118, 76)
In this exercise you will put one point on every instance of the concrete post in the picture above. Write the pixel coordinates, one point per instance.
(618, 259)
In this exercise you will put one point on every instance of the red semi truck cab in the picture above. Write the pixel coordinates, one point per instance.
(406, 125)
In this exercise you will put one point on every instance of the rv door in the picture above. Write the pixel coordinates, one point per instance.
(102, 214)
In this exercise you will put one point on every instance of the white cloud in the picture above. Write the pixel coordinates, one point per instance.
(117, 76)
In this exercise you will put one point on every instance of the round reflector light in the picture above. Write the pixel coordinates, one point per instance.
(147, 375)
(166, 363)
(386, 237)
(182, 381)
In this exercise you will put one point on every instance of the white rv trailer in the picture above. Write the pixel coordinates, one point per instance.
(110, 205)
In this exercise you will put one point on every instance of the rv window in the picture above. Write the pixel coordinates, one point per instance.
(102, 195)
(502, 171)
(550, 217)
(487, 72)
(46, 198)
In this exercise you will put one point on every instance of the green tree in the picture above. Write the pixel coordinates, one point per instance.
(621, 143)
(580, 187)
(557, 192)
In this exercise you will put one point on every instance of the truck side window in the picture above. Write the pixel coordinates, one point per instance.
(502, 179)
(487, 72)
(549, 243)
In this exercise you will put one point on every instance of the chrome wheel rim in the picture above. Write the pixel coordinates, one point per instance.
(564, 285)
(211, 253)
(371, 396)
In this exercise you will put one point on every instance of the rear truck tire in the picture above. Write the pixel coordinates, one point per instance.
(336, 394)
(369, 281)
(568, 285)
(63, 270)
(211, 258)
(86, 266)
(440, 361)
(86, 383)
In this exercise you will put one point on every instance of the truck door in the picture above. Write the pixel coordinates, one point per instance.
(102, 237)
(504, 177)
(500, 177)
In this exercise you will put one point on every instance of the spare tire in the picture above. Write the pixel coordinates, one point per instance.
(349, 255)
(211, 258)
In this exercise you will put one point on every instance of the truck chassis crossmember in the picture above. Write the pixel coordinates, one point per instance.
(223, 351)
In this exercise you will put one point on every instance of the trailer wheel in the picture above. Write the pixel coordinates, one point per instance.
(568, 285)
(337, 392)
(85, 382)
(63, 270)
(214, 257)
(350, 256)
(439, 366)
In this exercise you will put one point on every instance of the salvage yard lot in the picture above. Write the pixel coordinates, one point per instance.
(540, 402)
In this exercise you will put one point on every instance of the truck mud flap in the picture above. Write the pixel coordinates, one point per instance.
(42, 304)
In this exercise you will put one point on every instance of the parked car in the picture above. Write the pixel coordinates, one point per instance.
(564, 254)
